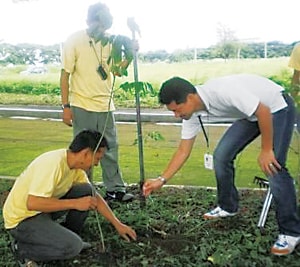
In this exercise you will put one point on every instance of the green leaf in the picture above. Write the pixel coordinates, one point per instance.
(143, 88)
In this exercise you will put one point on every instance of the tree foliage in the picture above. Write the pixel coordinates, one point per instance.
(31, 54)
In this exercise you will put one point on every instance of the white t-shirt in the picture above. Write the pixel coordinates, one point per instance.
(235, 96)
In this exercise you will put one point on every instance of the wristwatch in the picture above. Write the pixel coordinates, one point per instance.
(162, 179)
(65, 106)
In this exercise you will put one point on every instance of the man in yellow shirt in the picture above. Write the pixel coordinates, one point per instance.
(86, 92)
(53, 185)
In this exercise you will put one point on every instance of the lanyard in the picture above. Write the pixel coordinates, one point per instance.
(204, 132)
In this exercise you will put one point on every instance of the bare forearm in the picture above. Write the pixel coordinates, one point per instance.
(179, 158)
(266, 127)
(175, 165)
(106, 211)
(64, 86)
(49, 204)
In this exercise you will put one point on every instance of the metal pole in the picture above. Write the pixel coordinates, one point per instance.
(265, 210)
(133, 27)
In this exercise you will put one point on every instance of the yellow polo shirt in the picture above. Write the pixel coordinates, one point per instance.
(81, 57)
(295, 57)
(47, 176)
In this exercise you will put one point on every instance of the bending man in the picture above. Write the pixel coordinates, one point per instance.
(260, 107)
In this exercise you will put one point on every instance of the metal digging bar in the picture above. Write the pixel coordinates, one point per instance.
(135, 28)
(267, 203)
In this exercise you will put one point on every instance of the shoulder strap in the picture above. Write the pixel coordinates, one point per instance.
(204, 132)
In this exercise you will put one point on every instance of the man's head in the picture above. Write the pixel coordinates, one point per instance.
(99, 19)
(179, 96)
(90, 147)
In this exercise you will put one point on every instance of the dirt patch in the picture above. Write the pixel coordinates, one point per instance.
(172, 232)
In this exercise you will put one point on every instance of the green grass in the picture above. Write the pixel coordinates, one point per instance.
(197, 72)
(22, 140)
(200, 71)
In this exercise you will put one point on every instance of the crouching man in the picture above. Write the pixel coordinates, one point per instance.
(53, 185)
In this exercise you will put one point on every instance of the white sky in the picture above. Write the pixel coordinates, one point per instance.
(164, 24)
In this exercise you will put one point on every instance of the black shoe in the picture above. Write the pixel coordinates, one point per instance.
(21, 262)
(13, 248)
(118, 196)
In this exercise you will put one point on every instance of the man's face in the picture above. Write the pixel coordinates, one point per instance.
(93, 160)
(183, 110)
(97, 27)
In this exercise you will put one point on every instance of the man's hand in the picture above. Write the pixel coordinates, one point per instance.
(126, 232)
(151, 185)
(268, 163)
(86, 203)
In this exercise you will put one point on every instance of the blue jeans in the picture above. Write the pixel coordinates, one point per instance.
(236, 138)
(42, 238)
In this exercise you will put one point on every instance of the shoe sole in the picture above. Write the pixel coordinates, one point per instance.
(208, 217)
(281, 252)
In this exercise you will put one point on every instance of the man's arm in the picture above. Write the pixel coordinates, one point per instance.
(44, 204)
(179, 158)
(266, 159)
(125, 231)
(296, 78)
(64, 87)
(50, 204)
(295, 84)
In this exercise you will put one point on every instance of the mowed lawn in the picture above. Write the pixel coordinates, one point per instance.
(22, 140)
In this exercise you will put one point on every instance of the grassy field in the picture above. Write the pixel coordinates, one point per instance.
(197, 72)
(22, 140)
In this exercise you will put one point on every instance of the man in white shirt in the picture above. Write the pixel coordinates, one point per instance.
(259, 107)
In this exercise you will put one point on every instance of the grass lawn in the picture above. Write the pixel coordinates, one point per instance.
(22, 140)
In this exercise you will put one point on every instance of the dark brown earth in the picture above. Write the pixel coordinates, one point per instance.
(172, 232)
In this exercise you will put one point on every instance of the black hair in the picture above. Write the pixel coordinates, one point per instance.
(175, 89)
(99, 12)
(88, 139)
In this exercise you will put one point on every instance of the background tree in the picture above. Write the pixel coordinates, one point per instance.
(227, 46)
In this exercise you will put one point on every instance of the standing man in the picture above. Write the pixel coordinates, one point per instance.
(295, 64)
(260, 107)
(86, 92)
(53, 185)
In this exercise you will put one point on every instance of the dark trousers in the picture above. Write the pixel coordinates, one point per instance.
(236, 138)
(42, 238)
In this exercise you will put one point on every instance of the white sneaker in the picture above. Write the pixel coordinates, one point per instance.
(218, 213)
(285, 244)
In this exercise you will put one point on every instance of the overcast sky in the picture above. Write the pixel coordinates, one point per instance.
(164, 24)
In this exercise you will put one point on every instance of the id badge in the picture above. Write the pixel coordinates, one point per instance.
(208, 162)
